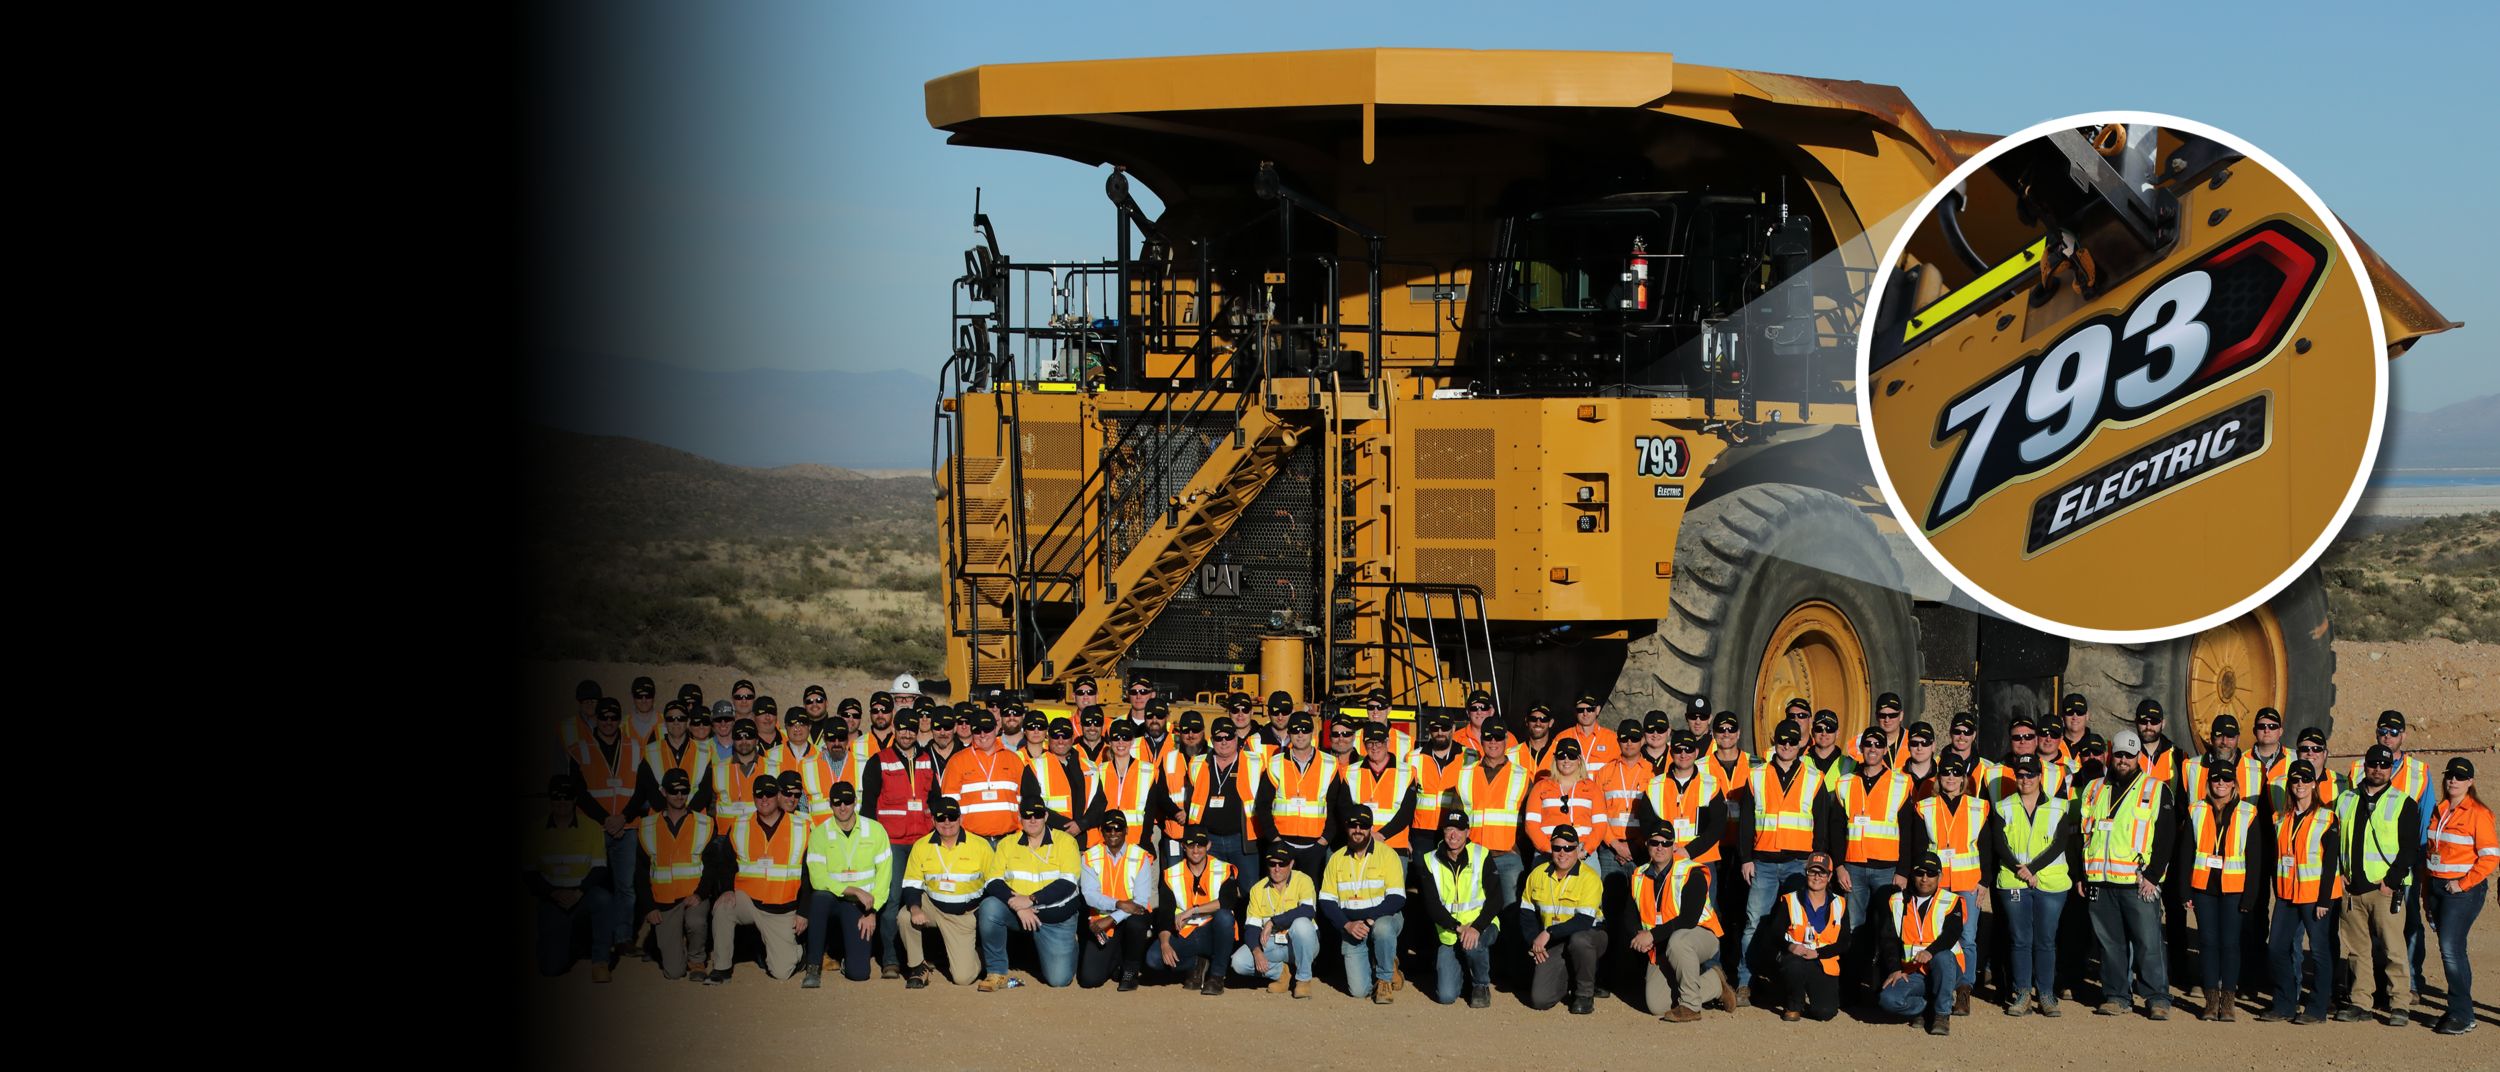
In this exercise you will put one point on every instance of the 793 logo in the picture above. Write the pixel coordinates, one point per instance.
(2201, 325)
(1658, 455)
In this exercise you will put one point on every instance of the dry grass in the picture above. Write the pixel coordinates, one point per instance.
(2435, 579)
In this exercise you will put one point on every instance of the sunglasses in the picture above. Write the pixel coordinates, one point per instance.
(793, 793)
(2026, 774)
(610, 718)
(1582, 707)
(1728, 732)
(1301, 731)
(1540, 718)
(2313, 748)
(1888, 714)
(676, 790)
(1341, 733)
(1062, 735)
(1686, 749)
(1661, 843)
(1140, 692)
(2457, 777)
(642, 695)
(1376, 706)
(1479, 707)
(2148, 722)
(2026, 737)
(815, 701)
(723, 720)
(742, 696)
(2379, 766)
(1085, 691)
(672, 718)
(2303, 781)
(1964, 731)
(2391, 733)
(2264, 726)
(1225, 737)
(749, 735)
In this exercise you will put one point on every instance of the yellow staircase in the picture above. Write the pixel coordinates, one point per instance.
(1170, 553)
(987, 572)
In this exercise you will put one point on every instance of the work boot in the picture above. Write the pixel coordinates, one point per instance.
(2304, 1019)
(916, 978)
(1941, 1025)
(888, 971)
(1197, 976)
(698, 969)
(2229, 1011)
(2021, 1005)
(1380, 993)
(814, 978)
(1397, 978)
(2159, 1010)
(1791, 1016)
(1283, 983)
(1680, 1015)
(1480, 997)
(1727, 995)
(2349, 1014)
(1128, 978)
(1961, 1001)
(2048, 1005)
(2399, 1017)
(600, 972)
(1215, 979)
(2205, 995)
(1743, 995)
(1302, 987)
(2267, 1015)
(718, 976)
(1583, 1004)
(990, 984)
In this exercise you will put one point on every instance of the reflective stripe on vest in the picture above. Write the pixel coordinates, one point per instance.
(1396, 780)
(611, 784)
(2300, 856)
(1801, 932)
(1784, 816)
(1190, 891)
(676, 856)
(2217, 847)
(1680, 806)
(1918, 930)
(2030, 834)
(695, 759)
(1112, 876)
(1469, 876)
(955, 875)
(1493, 812)
(1954, 834)
(1659, 903)
(1361, 882)
(769, 864)
(1245, 787)
(1558, 898)
(2116, 847)
(1300, 809)
(2380, 840)
(2459, 836)
(1875, 816)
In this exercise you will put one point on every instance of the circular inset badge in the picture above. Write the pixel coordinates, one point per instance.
(2124, 378)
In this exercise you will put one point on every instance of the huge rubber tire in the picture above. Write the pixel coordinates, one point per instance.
(2281, 655)
(1752, 564)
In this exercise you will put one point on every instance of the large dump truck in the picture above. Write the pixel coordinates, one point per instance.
(1441, 370)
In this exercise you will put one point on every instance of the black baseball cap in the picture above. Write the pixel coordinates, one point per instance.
(2224, 726)
(2148, 710)
(2302, 771)
(1090, 716)
(817, 692)
(2265, 713)
(1279, 703)
(1223, 727)
(1889, 699)
(1964, 719)
(1661, 724)
(2379, 755)
(1927, 864)
(1796, 705)
(2218, 769)
(1697, 707)
(1686, 739)
(766, 705)
(1301, 722)
(1113, 820)
(880, 698)
(791, 779)
(1373, 731)
(2026, 765)
(1725, 723)
(2074, 704)
(1034, 809)
(1820, 861)
(587, 690)
(2091, 744)
(2311, 733)
(1788, 733)
(1061, 728)
(2459, 767)
(2391, 720)
(1826, 722)
(744, 727)
(1480, 697)
(1919, 730)
(689, 689)
(1123, 730)
(841, 793)
(1196, 835)
(608, 705)
(985, 722)
(1567, 748)
(1159, 709)
(675, 780)
(1193, 722)
(1562, 834)
(766, 785)
(1453, 818)
(643, 686)
(1952, 764)
(1631, 726)
(1279, 855)
(848, 706)
(1872, 737)
(1361, 816)
(1494, 730)
(946, 810)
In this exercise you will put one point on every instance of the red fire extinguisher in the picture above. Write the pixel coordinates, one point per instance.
(1640, 275)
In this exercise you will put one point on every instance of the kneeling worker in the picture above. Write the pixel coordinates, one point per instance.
(1926, 921)
(1562, 906)
(1679, 931)
(1278, 921)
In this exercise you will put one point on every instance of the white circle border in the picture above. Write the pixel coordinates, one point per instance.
(2378, 349)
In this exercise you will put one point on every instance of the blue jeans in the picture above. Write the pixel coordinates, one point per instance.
(1924, 992)
(1212, 939)
(2453, 915)
(1054, 944)
(555, 929)
(831, 919)
(1297, 944)
(620, 930)
(889, 939)
(1374, 957)
(2129, 928)
(1760, 895)
(1231, 849)
(1478, 962)
(2294, 924)
(2415, 954)
(2031, 928)
(2218, 930)
(1971, 924)
(1863, 882)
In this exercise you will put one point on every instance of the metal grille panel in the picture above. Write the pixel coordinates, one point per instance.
(981, 470)
(1053, 445)
(1454, 513)
(1455, 565)
(1454, 454)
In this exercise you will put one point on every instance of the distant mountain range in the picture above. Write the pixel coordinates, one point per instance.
(757, 418)
(590, 490)
(2465, 435)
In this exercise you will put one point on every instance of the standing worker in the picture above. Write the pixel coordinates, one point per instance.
(2379, 832)
(1292, 808)
(2464, 851)
(2035, 836)
(902, 785)
(987, 782)
(1791, 818)
(2214, 854)
(2130, 821)
(2306, 882)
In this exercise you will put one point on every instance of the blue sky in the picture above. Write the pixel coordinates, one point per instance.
(756, 185)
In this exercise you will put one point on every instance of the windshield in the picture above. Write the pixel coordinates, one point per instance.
(1575, 261)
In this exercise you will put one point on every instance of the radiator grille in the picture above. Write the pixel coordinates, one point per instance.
(1454, 454)
(1454, 513)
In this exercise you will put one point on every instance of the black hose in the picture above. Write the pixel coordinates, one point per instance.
(1951, 219)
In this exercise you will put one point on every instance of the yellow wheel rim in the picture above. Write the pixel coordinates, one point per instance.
(1815, 653)
(2238, 667)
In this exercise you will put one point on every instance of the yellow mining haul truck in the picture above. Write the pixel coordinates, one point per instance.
(1442, 370)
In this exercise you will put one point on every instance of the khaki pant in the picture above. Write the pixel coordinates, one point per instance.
(958, 930)
(2374, 942)
(684, 927)
(781, 942)
(1682, 964)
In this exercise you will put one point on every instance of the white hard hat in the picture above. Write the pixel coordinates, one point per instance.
(906, 685)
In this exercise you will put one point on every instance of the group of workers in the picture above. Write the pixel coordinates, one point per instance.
(1566, 860)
